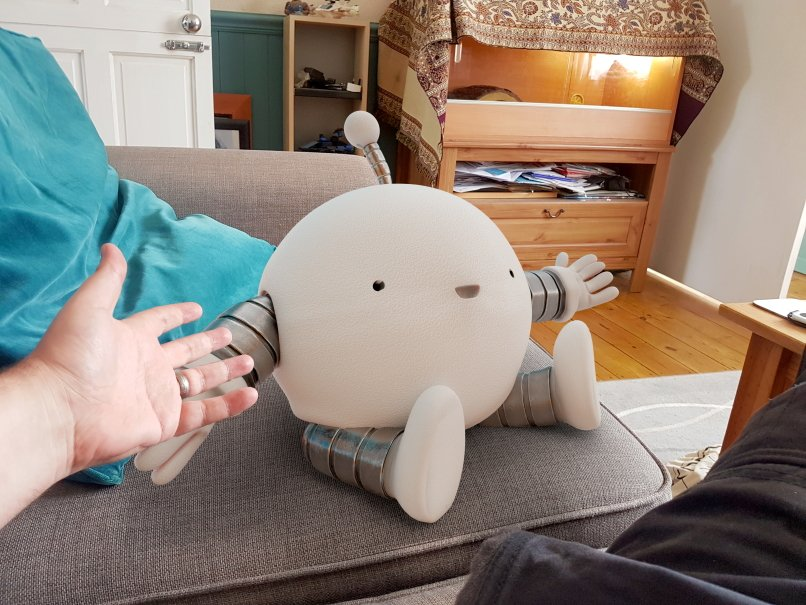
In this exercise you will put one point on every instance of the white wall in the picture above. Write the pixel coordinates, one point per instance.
(371, 10)
(732, 222)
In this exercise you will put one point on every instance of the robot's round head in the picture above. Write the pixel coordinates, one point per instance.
(386, 291)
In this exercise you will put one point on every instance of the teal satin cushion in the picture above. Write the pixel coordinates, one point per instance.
(60, 200)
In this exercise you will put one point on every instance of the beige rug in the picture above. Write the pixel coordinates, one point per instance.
(682, 419)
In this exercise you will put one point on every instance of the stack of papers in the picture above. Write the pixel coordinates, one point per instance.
(568, 180)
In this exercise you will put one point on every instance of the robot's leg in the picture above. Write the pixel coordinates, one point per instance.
(420, 467)
(355, 456)
(528, 403)
(565, 392)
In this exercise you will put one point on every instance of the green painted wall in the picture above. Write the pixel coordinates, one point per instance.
(248, 59)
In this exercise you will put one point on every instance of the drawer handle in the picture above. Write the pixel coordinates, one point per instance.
(548, 213)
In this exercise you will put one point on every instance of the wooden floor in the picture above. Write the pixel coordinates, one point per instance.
(661, 331)
(798, 287)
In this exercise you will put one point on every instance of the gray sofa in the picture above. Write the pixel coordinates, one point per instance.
(249, 521)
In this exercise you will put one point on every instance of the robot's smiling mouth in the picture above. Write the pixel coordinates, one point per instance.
(468, 291)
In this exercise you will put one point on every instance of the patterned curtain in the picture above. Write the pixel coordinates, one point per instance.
(415, 38)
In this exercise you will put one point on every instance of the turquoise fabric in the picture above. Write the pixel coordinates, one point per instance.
(60, 201)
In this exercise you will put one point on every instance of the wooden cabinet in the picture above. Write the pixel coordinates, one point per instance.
(620, 233)
(575, 108)
(538, 228)
(339, 48)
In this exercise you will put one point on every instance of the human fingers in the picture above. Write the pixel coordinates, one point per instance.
(604, 296)
(208, 376)
(198, 413)
(158, 320)
(562, 260)
(190, 348)
(599, 282)
(103, 287)
(583, 262)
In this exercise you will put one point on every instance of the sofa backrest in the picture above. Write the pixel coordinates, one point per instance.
(264, 193)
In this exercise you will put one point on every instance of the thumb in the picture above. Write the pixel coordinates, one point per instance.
(102, 288)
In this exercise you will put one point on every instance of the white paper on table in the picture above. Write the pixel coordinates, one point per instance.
(781, 306)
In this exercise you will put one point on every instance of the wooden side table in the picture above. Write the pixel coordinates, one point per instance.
(773, 361)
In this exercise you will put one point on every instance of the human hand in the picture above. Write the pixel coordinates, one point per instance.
(585, 282)
(112, 385)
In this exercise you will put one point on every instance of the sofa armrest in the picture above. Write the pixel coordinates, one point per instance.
(263, 193)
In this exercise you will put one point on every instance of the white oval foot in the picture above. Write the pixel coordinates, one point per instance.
(425, 462)
(573, 380)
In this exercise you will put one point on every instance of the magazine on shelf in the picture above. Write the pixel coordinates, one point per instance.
(566, 179)
(602, 194)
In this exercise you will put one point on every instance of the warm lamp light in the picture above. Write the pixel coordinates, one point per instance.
(639, 67)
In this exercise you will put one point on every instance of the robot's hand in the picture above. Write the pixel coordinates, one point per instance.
(254, 332)
(586, 283)
(167, 459)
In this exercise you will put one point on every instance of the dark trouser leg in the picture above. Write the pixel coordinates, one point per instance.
(744, 526)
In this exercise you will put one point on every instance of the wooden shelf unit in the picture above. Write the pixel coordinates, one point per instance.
(567, 107)
(340, 49)
(326, 93)
(620, 232)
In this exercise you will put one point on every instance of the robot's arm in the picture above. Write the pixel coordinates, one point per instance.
(254, 332)
(560, 291)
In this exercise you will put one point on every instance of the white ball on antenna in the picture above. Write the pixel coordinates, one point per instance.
(361, 128)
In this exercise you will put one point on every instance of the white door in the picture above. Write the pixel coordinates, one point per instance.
(117, 55)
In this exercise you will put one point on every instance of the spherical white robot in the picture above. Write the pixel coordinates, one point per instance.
(396, 317)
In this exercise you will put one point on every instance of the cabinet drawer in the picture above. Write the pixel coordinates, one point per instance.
(538, 229)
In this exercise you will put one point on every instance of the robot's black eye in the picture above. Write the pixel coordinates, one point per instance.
(511, 273)
(378, 286)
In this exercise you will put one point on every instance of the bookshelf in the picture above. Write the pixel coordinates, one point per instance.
(340, 49)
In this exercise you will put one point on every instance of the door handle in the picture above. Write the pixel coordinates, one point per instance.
(548, 213)
(191, 23)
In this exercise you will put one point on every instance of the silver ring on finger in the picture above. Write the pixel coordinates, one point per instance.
(184, 384)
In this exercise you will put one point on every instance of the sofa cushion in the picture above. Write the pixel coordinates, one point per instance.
(250, 521)
(60, 200)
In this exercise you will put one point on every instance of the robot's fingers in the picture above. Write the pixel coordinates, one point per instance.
(580, 263)
(600, 281)
(173, 466)
(562, 260)
(604, 296)
(590, 270)
(156, 455)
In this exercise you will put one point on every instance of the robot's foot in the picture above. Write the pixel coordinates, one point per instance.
(573, 378)
(425, 463)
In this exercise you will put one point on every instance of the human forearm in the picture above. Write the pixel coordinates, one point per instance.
(36, 439)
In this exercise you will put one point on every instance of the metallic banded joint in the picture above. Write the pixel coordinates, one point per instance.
(548, 295)
(528, 403)
(254, 332)
(379, 166)
(354, 456)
